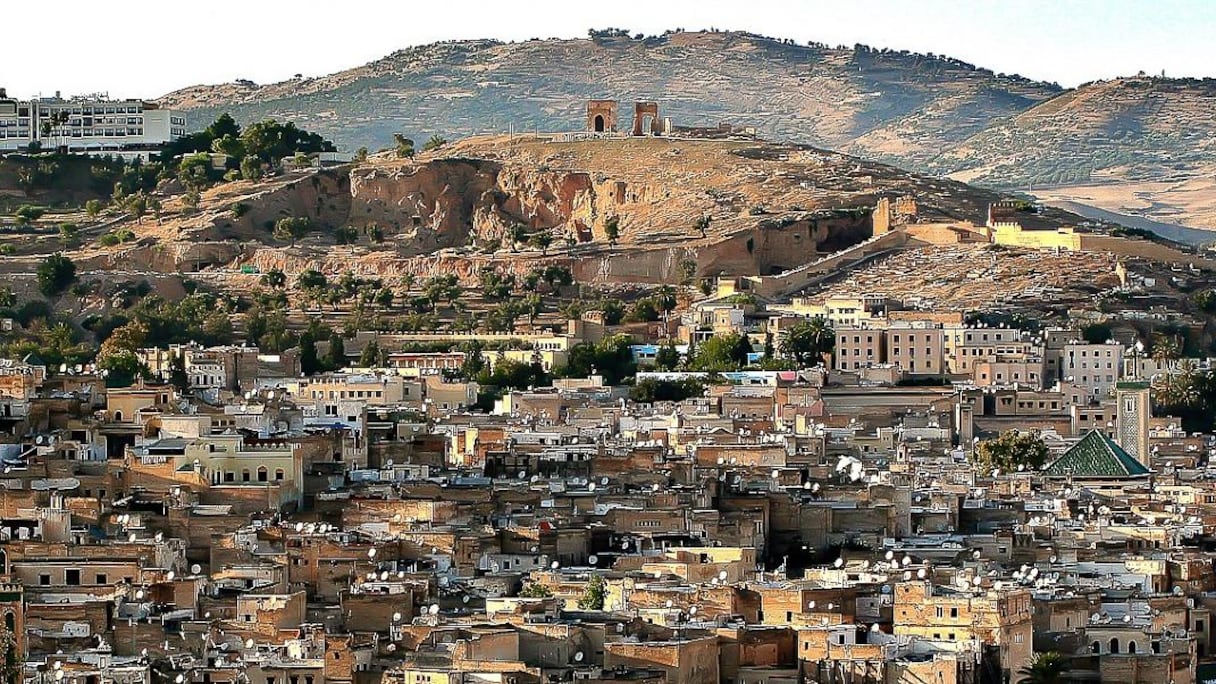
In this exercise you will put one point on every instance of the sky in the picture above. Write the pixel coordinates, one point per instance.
(150, 47)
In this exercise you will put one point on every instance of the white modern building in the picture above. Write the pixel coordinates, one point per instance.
(88, 125)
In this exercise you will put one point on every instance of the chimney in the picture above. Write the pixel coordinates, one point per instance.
(3, 93)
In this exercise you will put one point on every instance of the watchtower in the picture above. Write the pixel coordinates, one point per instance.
(601, 116)
(643, 111)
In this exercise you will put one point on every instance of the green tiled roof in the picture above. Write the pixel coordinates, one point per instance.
(1096, 456)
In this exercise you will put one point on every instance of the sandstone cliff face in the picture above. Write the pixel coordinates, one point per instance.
(447, 203)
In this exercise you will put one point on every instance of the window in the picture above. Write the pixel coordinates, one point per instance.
(44, 580)
(100, 578)
(954, 612)
(72, 577)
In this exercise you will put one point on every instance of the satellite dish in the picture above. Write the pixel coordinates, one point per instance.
(839, 563)
(669, 603)
(249, 643)
(434, 609)
(396, 617)
(921, 574)
(371, 553)
(591, 487)
(196, 569)
(555, 565)
(593, 559)
(170, 575)
(810, 605)
(578, 657)
(890, 555)
(383, 575)
(59, 676)
(722, 576)
(464, 599)
(299, 527)
(692, 611)
(977, 581)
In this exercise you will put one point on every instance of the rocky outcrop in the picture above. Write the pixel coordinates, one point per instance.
(447, 203)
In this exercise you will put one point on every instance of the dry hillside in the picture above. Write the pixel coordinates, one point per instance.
(518, 201)
(887, 105)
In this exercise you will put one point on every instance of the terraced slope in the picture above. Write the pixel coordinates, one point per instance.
(890, 106)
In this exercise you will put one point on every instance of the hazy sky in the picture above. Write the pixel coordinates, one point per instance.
(145, 48)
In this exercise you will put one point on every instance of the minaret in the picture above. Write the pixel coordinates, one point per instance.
(1131, 422)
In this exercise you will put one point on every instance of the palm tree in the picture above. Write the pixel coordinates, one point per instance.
(1046, 668)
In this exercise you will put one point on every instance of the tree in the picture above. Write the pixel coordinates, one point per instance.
(594, 593)
(92, 208)
(702, 224)
(1046, 668)
(337, 352)
(667, 358)
(190, 200)
(474, 364)
(55, 274)
(807, 341)
(1009, 451)
(612, 229)
(118, 353)
(361, 155)
(291, 228)
(722, 353)
(405, 146)
(535, 590)
(68, 233)
(649, 390)
(311, 280)
(541, 241)
(434, 143)
(370, 357)
(274, 278)
(251, 168)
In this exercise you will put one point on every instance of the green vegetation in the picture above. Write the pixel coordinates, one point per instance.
(807, 342)
(55, 274)
(612, 229)
(722, 353)
(649, 390)
(1009, 452)
(594, 593)
(612, 358)
(1049, 667)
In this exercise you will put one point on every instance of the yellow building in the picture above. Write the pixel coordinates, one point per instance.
(995, 618)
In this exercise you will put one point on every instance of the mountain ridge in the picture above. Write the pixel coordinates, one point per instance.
(928, 113)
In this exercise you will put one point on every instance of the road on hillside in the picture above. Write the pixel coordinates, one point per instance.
(1169, 231)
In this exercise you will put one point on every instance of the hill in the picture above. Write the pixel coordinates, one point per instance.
(679, 209)
(1125, 130)
(1142, 139)
(886, 105)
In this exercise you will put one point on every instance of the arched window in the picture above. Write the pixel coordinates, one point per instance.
(1131, 647)
(10, 621)
(278, 474)
(1114, 645)
(262, 473)
(1095, 647)
(118, 416)
(245, 475)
